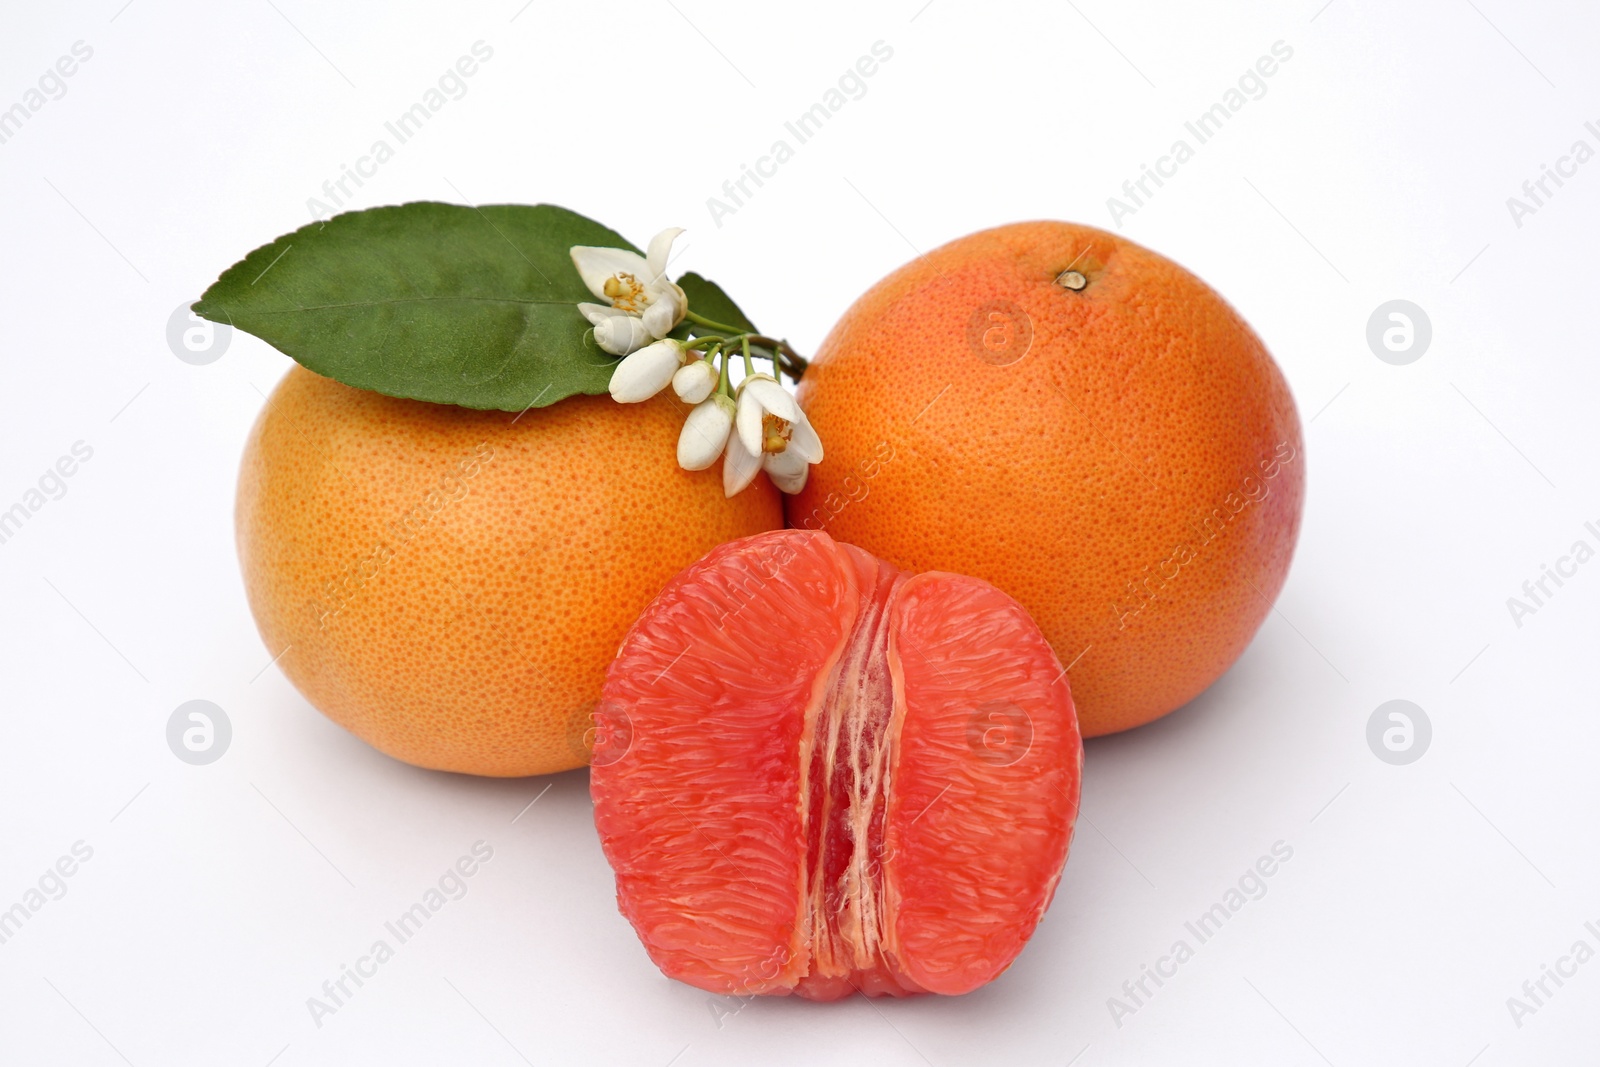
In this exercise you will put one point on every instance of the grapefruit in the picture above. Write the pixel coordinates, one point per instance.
(450, 584)
(1085, 424)
(817, 774)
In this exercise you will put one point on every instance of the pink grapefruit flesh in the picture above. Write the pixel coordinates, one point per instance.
(817, 774)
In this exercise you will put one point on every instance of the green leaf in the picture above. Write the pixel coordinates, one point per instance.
(455, 305)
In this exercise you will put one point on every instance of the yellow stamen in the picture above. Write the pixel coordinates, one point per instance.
(774, 433)
(625, 292)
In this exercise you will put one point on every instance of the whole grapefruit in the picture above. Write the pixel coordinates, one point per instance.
(450, 584)
(1086, 425)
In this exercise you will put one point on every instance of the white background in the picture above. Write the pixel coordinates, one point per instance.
(1377, 166)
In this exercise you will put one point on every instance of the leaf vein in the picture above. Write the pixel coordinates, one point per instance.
(414, 300)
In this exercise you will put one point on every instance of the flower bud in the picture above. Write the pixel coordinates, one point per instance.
(694, 382)
(646, 372)
(705, 433)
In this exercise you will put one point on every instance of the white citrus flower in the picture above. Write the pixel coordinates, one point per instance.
(634, 284)
(694, 382)
(770, 421)
(646, 372)
(771, 433)
(616, 331)
(705, 433)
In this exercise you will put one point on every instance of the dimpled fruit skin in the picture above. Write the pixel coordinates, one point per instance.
(1132, 474)
(449, 584)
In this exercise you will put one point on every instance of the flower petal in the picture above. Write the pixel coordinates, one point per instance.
(659, 251)
(620, 333)
(739, 467)
(595, 265)
(772, 396)
(791, 484)
(705, 434)
(664, 289)
(748, 419)
(598, 313)
(803, 440)
(645, 373)
(786, 470)
(661, 316)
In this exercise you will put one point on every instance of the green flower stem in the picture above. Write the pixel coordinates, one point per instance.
(701, 320)
(722, 379)
(784, 359)
(749, 368)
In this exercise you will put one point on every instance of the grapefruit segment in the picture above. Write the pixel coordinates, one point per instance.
(697, 759)
(816, 774)
(986, 785)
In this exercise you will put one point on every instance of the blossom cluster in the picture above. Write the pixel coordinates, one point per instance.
(752, 427)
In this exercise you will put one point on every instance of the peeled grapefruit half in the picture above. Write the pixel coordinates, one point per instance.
(817, 774)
